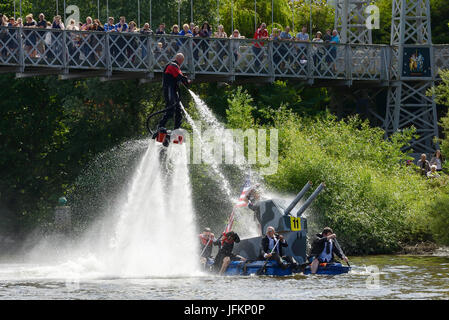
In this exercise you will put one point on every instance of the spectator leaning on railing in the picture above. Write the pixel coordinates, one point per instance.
(333, 49)
(285, 38)
(185, 31)
(57, 23)
(235, 45)
(220, 44)
(30, 40)
(205, 33)
(318, 50)
(303, 38)
(109, 26)
(285, 35)
(174, 30)
(287, 48)
(161, 29)
(276, 37)
(121, 26)
(72, 25)
(260, 34)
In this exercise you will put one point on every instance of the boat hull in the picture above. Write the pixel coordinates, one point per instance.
(272, 268)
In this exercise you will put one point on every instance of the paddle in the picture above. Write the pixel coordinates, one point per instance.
(205, 246)
(339, 248)
(262, 269)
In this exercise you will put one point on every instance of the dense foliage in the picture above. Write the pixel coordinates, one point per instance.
(372, 199)
(50, 129)
(440, 207)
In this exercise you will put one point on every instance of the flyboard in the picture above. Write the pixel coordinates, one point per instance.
(163, 135)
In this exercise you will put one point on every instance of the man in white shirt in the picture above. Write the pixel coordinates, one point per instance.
(272, 245)
(303, 38)
(323, 249)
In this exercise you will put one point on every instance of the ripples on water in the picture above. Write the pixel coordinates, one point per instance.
(401, 277)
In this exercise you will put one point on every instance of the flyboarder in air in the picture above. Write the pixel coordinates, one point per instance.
(172, 78)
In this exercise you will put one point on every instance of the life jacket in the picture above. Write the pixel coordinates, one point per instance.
(323, 264)
(226, 240)
(204, 240)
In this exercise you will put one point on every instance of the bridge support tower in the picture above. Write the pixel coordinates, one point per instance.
(412, 74)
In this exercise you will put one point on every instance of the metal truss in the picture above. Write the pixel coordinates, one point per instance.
(350, 18)
(408, 105)
(410, 22)
(407, 102)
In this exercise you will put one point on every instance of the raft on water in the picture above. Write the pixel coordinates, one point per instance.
(293, 227)
(272, 268)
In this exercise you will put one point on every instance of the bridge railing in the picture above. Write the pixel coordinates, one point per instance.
(10, 45)
(69, 50)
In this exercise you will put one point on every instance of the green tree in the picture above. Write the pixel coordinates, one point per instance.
(49, 130)
(439, 21)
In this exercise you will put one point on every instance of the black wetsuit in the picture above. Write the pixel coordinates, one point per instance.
(171, 79)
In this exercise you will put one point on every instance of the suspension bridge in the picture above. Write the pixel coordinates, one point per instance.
(406, 68)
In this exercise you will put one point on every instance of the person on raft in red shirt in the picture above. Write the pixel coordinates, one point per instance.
(172, 77)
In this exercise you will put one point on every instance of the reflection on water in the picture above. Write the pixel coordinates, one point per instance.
(400, 277)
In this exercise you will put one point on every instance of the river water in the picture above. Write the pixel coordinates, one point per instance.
(139, 235)
(399, 277)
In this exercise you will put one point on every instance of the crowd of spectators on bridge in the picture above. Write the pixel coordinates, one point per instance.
(289, 49)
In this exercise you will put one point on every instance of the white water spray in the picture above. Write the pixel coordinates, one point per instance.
(150, 233)
(245, 225)
(155, 235)
(224, 183)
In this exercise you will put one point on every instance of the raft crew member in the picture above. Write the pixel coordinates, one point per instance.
(170, 84)
(269, 241)
(252, 197)
(324, 248)
(207, 240)
(225, 255)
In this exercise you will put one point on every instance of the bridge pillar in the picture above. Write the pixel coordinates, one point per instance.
(350, 18)
(412, 74)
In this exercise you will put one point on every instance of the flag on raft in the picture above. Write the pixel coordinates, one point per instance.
(240, 203)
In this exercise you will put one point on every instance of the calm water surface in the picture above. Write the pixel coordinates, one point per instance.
(400, 277)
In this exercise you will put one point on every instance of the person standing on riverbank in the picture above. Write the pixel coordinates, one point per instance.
(437, 160)
(323, 249)
(424, 165)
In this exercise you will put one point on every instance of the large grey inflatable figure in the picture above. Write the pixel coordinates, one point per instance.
(291, 225)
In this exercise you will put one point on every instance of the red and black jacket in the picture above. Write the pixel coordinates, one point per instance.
(173, 75)
(227, 242)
